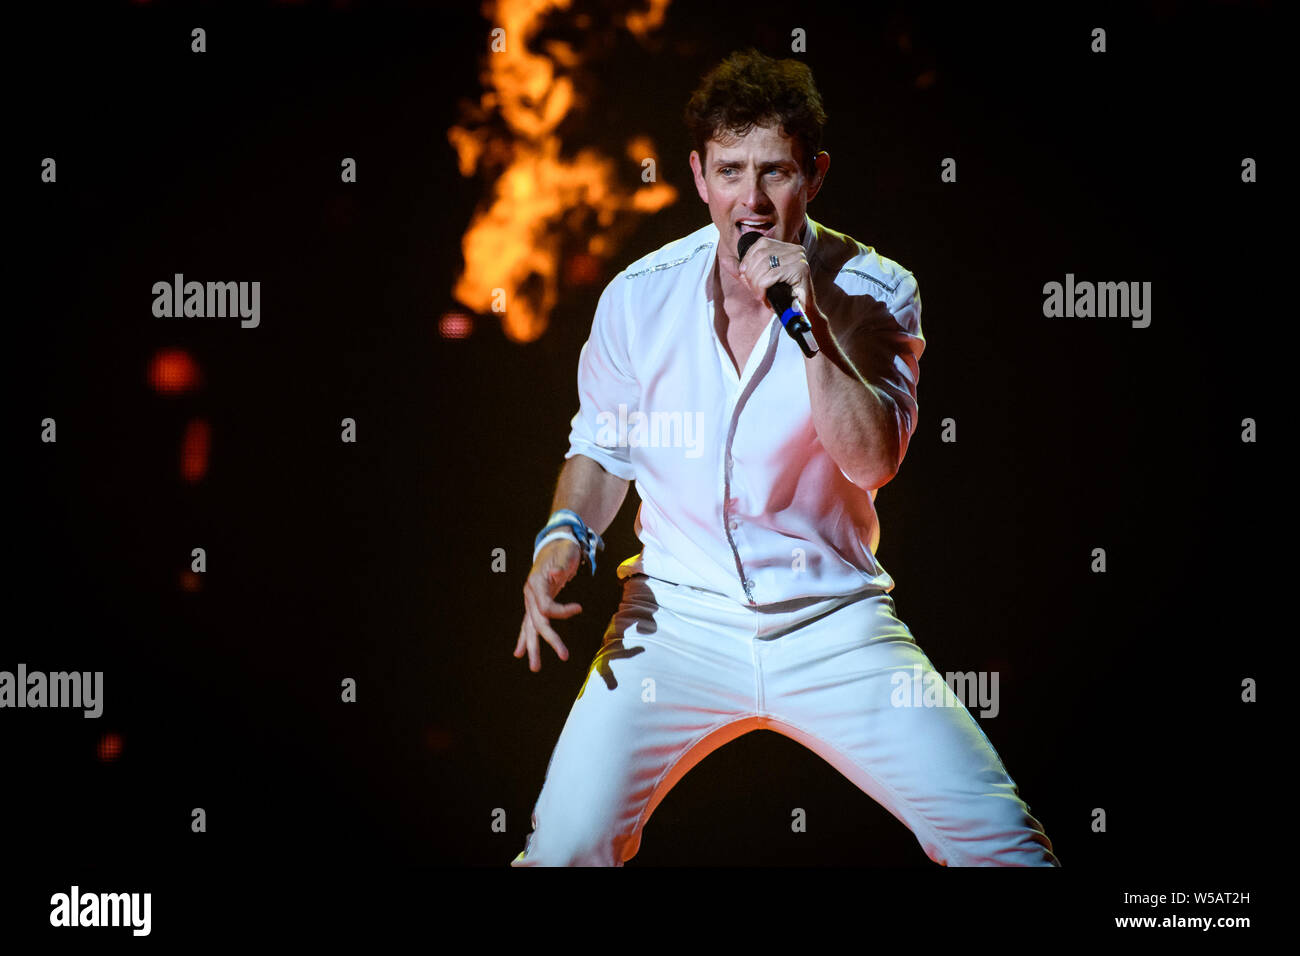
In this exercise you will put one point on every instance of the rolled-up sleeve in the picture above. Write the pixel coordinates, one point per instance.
(606, 382)
(882, 337)
(904, 372)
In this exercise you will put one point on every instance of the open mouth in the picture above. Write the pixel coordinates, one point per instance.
(761, 226)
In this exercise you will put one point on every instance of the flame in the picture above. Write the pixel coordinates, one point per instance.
(642, 23)
(539, 199)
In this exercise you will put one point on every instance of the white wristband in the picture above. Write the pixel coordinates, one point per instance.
(555, 535)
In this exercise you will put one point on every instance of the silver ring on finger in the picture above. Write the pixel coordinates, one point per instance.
(774, 262)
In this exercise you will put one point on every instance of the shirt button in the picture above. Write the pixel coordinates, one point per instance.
(749, 584)
(733, 524)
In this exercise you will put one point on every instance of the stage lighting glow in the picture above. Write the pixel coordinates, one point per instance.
(194, 450)
(455, 325)
(173, 372)
(583, 269)
(110, 747)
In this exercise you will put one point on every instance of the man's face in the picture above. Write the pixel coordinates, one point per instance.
(753, 183)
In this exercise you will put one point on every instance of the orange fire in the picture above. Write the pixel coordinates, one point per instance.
(652, 19)
(517, 237)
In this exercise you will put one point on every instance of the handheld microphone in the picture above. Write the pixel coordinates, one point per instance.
(781, 296)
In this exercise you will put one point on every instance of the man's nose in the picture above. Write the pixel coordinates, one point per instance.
(755, 198)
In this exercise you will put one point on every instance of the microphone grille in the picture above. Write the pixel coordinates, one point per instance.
(747, 240)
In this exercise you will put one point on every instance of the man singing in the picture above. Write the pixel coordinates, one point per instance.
(757, 600)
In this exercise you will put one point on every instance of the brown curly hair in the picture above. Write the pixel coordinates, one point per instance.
(749, 89)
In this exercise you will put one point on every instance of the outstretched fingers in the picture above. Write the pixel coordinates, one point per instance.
(537, 610)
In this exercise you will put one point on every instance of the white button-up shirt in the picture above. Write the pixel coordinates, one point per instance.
(738, 495)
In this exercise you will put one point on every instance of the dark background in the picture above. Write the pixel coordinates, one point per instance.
(1118, 690)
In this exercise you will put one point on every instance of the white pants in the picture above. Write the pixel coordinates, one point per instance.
(683, 671)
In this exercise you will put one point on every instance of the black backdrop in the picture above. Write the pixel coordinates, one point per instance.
(1119, 690)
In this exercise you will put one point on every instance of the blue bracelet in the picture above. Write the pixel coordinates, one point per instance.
(588, 540)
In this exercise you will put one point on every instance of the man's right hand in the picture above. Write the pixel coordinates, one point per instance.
(555, 567)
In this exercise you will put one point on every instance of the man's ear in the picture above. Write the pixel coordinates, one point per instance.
(822, 162)
(698, 169)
